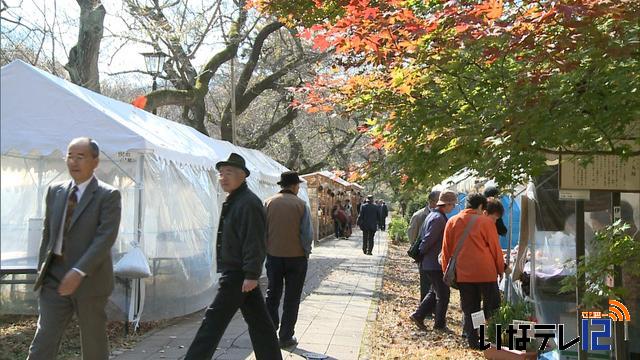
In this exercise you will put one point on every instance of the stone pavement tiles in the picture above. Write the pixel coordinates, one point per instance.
(339, 298)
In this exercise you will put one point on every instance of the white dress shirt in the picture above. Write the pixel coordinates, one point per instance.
(57, 248)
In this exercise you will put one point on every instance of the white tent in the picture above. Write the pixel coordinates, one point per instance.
(165, 171)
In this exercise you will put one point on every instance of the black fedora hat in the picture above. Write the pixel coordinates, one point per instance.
(289, 178)
(234, 160)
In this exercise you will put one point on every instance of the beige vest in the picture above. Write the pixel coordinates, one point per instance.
(284, 213)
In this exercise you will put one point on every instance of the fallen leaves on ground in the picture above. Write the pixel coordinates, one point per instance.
(394, 336)
(16, 332)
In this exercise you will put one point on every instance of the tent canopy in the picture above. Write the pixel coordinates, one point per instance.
(40, 113)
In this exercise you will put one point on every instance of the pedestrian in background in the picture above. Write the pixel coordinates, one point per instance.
(430, 248)
(384, 213)
(337, 224)
(289, 237)
(414, 233)
(368, 221)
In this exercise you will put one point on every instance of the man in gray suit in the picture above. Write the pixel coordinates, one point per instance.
(75, 269)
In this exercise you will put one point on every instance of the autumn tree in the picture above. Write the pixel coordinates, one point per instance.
(496, 86)
(35, 37)
(184, 32)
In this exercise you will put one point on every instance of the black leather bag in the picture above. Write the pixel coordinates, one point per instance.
(414, 250)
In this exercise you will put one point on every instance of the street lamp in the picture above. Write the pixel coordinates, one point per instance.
(154, 61)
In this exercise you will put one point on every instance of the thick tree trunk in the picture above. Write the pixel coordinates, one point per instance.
(83, 57)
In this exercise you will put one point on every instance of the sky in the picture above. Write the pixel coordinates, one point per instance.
(62, 17)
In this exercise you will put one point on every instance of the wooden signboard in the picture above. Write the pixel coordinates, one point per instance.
(606, 172)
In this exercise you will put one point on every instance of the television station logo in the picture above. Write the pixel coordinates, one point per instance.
(617, 312)
(596, 326)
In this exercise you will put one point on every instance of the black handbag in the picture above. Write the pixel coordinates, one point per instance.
(414, 250)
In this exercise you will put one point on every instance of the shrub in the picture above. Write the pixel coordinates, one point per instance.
(398, 229)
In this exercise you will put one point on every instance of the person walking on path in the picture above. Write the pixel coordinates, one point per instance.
(414, 233)
(289, 237)
(75, 276)
(240, 251)
(348, 209)
(384, 213)
(337, 224)
(368, 221)
(430, 247)
(479, 262)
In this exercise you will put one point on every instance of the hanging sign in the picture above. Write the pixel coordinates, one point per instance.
(605, 172)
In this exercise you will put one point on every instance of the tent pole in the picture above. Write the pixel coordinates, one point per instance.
(509, 244)
(40, 191)
(139, 228)
(620, 340)
(580, 250)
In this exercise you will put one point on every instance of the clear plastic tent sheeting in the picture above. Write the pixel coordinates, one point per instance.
(551, 258)
(171, 198)
(177, 204)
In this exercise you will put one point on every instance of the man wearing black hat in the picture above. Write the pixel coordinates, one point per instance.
(289, 237)
(240, 252)
(368, 221)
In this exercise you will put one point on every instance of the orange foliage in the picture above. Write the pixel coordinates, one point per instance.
(140, 102)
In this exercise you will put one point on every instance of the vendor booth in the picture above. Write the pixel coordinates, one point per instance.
(171, 198)
(325, 191)
(552, 224)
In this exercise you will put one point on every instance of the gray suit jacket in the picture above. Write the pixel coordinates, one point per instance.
(92, 232)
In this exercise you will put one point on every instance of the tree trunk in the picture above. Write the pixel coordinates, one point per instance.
(83, 57)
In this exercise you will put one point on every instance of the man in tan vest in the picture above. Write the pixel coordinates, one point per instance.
(289, 237)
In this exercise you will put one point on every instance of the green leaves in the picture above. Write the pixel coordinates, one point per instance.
(611, 246)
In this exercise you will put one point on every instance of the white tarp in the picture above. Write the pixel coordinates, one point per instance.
(40, 113)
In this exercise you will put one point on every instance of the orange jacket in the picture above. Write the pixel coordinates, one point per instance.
(480, 259)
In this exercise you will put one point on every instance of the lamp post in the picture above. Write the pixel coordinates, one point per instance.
(154, 61)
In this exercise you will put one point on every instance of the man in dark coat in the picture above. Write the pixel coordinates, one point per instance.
(414, 231)
(384, 212)
(368, 221)
(432, 233)
(240, 250)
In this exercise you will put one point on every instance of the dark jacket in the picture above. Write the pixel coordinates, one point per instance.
(369, 217)
(385, 210)
(432, 233)
(241, 243)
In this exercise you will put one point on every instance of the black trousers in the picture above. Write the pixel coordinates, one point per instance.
(218, 315)
(425, 284)
(337, 227)
(287, 272)
(439, 296)
(367, 241)
(471, 294)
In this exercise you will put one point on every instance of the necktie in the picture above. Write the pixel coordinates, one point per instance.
(71, 205)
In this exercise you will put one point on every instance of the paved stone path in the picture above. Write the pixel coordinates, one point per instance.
(339, 298)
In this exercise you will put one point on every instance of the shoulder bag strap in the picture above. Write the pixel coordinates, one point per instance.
(464, 235)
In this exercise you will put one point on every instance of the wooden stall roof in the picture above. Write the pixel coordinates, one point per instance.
(329, 175)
